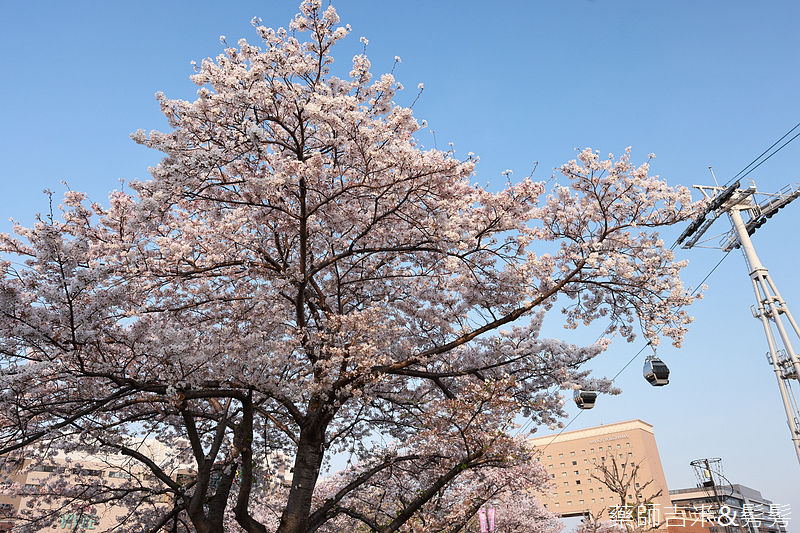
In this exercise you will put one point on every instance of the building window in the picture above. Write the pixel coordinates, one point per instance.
(630, 496)
(87, 472)
(552, 476)
(572, 454)
(577, 481)
(580, 492)
(630, 454)
(637, 485)
(585, 461)
(599, 489)
(574, 463)
(558, 504)
(566, 493)
(592, 500)
(576, 472)
(581, 502)
(566, 483)
(561, 455)
(602, 499)
(562, 465)
(583, 452)
(43, 468)
(549, 456)
(619, 446)
(569, 503)
(550, 467)
(123, 475)
(563, 474)
(628, 444)
(591, 491)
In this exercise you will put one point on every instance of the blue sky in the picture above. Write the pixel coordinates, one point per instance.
(521, 84)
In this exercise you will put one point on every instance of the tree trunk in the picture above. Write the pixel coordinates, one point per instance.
(310, 452)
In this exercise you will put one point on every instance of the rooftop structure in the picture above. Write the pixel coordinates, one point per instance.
(730, 508)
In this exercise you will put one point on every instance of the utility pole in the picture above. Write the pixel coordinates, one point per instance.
(746, 216)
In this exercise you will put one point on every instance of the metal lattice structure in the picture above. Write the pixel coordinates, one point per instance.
(746, 216)
(711, 479)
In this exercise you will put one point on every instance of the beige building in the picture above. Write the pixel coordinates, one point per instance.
(595, 470)
(31, 479)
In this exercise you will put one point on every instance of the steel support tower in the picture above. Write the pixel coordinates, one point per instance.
(746, 216)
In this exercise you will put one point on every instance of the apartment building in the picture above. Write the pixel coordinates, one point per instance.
(80, 469)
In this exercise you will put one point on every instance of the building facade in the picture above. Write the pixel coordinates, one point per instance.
(730, 508)
(597, 472)
(27, 483)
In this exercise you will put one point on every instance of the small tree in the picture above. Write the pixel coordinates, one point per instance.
(300, 276)
(624, 481)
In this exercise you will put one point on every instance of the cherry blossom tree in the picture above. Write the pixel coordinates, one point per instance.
(593, 525)
(299, 275)
(522, 512)
(453, 509)
(635, 499)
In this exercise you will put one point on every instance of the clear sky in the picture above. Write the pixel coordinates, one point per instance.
(523, 84)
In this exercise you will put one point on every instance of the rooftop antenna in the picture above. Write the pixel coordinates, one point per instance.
(746, 216)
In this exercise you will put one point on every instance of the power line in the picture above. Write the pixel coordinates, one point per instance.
(744, 172)
(741, 174)
(632, 359)
(712, 271)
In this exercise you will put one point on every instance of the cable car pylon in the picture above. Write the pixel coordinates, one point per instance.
(746, 216)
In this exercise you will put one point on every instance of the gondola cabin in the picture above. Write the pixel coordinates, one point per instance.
(585, 399)
(656, 372)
